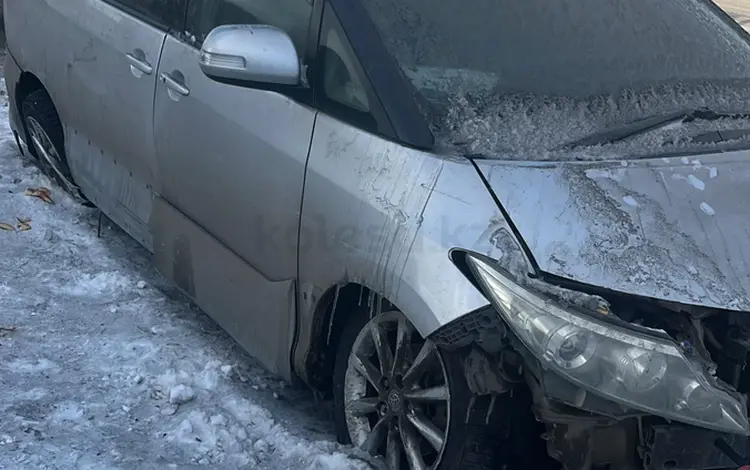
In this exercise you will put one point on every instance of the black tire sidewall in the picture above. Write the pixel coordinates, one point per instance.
(467, 448)
(39, 106)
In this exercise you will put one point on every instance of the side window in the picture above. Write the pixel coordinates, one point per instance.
(170, 13)
(340, 81)
(292, 16)
(342, 88)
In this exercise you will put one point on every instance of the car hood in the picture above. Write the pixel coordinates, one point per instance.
(675, 229)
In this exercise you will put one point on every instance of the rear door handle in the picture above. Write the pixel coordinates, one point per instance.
(174, 85)
(138, 61)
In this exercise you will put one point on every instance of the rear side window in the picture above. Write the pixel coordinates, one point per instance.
(169, 13)
(291, 16)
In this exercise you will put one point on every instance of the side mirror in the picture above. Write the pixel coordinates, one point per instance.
(250, 53)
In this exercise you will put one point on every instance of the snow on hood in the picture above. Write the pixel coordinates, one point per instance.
(675, 229)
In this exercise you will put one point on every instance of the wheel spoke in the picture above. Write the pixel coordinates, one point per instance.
(420, 363)
(399, 356)
(363, 406)
(438, 393)
(393, 450)
(385, 356)
(378, 433)
(365, 367)
(411, 446)
(428, 430)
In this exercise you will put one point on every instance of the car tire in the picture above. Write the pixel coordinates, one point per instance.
(45, 140)
(465, 447)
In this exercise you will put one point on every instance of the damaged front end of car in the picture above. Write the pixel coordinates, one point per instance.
(627, 384)
(620, 307)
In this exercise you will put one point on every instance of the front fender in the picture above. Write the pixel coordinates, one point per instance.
(384, 216)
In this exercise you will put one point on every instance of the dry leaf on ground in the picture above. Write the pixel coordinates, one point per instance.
(23, 224)
(40, 193)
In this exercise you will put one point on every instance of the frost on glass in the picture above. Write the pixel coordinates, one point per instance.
(515, 79)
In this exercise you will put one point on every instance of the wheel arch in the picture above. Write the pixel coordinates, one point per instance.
(27, 84)
(330, 315)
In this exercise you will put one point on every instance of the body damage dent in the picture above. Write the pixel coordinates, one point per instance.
(639, 228)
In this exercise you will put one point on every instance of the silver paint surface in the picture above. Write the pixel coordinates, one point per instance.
(673, 229)
(385, 217)
(253, 310)
(233, 160)
(267, 54)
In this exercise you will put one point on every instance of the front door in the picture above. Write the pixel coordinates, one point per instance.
(232, 161)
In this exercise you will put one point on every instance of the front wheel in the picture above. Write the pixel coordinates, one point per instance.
(398, 396)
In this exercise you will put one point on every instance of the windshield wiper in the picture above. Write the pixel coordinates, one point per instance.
(650, 124)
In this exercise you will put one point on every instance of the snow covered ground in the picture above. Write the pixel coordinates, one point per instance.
(103, 365)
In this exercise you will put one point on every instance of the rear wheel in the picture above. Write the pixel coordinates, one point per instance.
(398, 396)
(46, 141)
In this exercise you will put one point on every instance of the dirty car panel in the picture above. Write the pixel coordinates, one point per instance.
(375, 214)
(672, 229)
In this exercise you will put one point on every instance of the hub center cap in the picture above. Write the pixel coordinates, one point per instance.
(395, 402)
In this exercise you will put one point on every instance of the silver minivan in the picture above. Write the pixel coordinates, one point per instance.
(497, 234)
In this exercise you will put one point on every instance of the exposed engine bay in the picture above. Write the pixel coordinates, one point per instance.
(583, 431)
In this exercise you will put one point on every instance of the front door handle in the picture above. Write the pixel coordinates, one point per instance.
(174, 85)
(138, 62)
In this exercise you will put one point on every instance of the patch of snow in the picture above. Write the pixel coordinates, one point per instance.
(692, 180)
(705, 207)
(31, 367)
(97, 284)
(181, 394)
(696, 182)
(595, 173)
(68, 412)
(36, 393)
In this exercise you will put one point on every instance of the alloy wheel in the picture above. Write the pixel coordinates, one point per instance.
(47, 152)
(396, 394)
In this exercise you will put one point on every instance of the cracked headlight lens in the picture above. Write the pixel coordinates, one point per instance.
(634, 369)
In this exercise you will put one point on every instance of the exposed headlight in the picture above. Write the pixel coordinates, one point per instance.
(628, 367)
